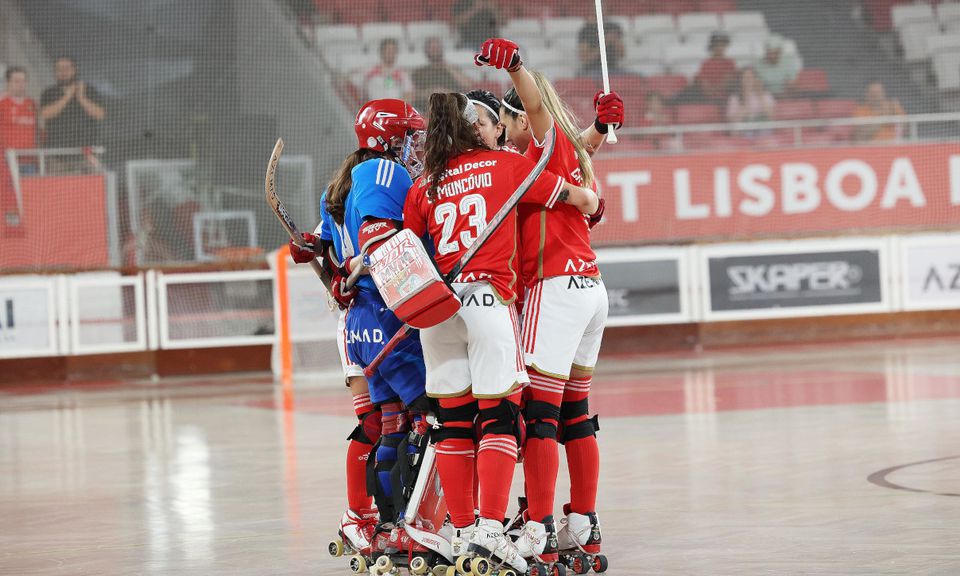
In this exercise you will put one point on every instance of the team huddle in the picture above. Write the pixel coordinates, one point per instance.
(508, 339)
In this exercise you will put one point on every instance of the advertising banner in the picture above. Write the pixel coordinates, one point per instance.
(793, 279)
(930, 268)
(646, 286)
(27, 319)
(756, 194)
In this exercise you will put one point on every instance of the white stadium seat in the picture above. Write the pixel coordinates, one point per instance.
(905, 14)
(411, 60)
(684, 59)
(419, 32)
(744, 53)
(357, 63)
(946, 67)
(337, 34)
(697, 22)
(373, 33)
(736, 22)
(948, 13)
(913, 39)
(520, 28)
(655, 25)
(562, 28)
(943, 43)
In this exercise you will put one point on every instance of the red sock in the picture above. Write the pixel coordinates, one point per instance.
(357, 455)
(583, 455)
(541, 458)
(456, 464)
(496, 460)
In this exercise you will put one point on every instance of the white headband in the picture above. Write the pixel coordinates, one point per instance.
(479, 103)
(511, 108)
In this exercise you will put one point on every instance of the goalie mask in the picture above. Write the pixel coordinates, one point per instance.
(393, 126)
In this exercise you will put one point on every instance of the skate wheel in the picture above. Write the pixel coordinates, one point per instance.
(384, 565)
(599, 563)
(558, 570)
(463, 565)
(451, 571)
(440, 570)
(335, 548)
(580, 564)
(358, 564)
(418, 566)
(481, 567)
(507, 572)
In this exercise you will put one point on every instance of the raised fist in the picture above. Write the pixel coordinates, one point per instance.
(609, 109)
(499, 53)
(307, 252)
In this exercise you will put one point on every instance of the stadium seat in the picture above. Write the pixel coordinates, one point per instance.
(794, 110)
(697, 22)
(835, 108)
(570, 88)
(698, 114)
(667, 86)
(717, 6)
(744, 53)
(646, 28)
(905, 14)
(565, 28)
(418, 32)
(373, 33)
(948, 14)
(685, 59)
(678, 7)
(913, 39)
(812, 81)
(411, 11)
(339, 33)
(946, 68)
(628, 84)
(737, 22)
(943, 43)
(519, 29)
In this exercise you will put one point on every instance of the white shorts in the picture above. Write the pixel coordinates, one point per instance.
(350, 369)
(477, 350)
(563, 320)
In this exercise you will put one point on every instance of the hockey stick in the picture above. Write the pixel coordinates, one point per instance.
(491, 227)
(270, 189)
(611, 135)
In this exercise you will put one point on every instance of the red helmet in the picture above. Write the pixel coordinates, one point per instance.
(391, 125)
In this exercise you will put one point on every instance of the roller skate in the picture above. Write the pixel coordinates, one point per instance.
(356, 532)
(579, 542)
(490, 553)
(537, 543)
(407, 547)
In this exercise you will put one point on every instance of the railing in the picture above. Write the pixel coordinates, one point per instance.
(946, 122)
(91, 154)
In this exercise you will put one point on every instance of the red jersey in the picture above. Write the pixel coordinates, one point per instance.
(474, 187)
(18, 123)
(556, 242)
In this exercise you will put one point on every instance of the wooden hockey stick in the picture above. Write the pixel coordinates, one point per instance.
(611, 135)
(488, 231)
(270, 189)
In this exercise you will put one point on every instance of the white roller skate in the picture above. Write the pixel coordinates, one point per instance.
(579, 542)
(356, 531)
(537, 543)
(491, 552)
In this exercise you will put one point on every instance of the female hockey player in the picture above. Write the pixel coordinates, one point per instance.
(564, 312)
(364, 202)
(474, 360)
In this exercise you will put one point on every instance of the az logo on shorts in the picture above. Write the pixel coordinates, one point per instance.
(582, 283)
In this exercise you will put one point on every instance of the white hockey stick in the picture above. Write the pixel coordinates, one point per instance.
(611, 135)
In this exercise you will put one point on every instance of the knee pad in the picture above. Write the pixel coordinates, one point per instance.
(502, 419)
(541, 419)
(395, 418)
(462, 416)
(580, 428)
(368, 429)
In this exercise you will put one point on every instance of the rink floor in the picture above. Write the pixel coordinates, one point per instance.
(831, 459)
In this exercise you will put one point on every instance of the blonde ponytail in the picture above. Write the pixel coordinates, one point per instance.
(564, 118)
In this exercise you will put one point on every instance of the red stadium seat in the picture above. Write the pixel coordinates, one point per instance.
(628, 84)
(812, 81)
(677, 7)
(836, 108)
(794, 110)
(718, 6)
(698, 114)
(667, 86)
(570, 88)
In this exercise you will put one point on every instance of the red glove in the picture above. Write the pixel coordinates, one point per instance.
(500, 53)
(597, 216)
(306, 253)
(609, 109)
(338, 286)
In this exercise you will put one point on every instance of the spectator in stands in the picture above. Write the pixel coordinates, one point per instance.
(655, 114)
(752, 103)
(718, 74)
(777, 70)
(876, 103)
(18, 117)
(437, 75)
(588, 49)
(71, 109)
(385, 80)
(477, 20)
